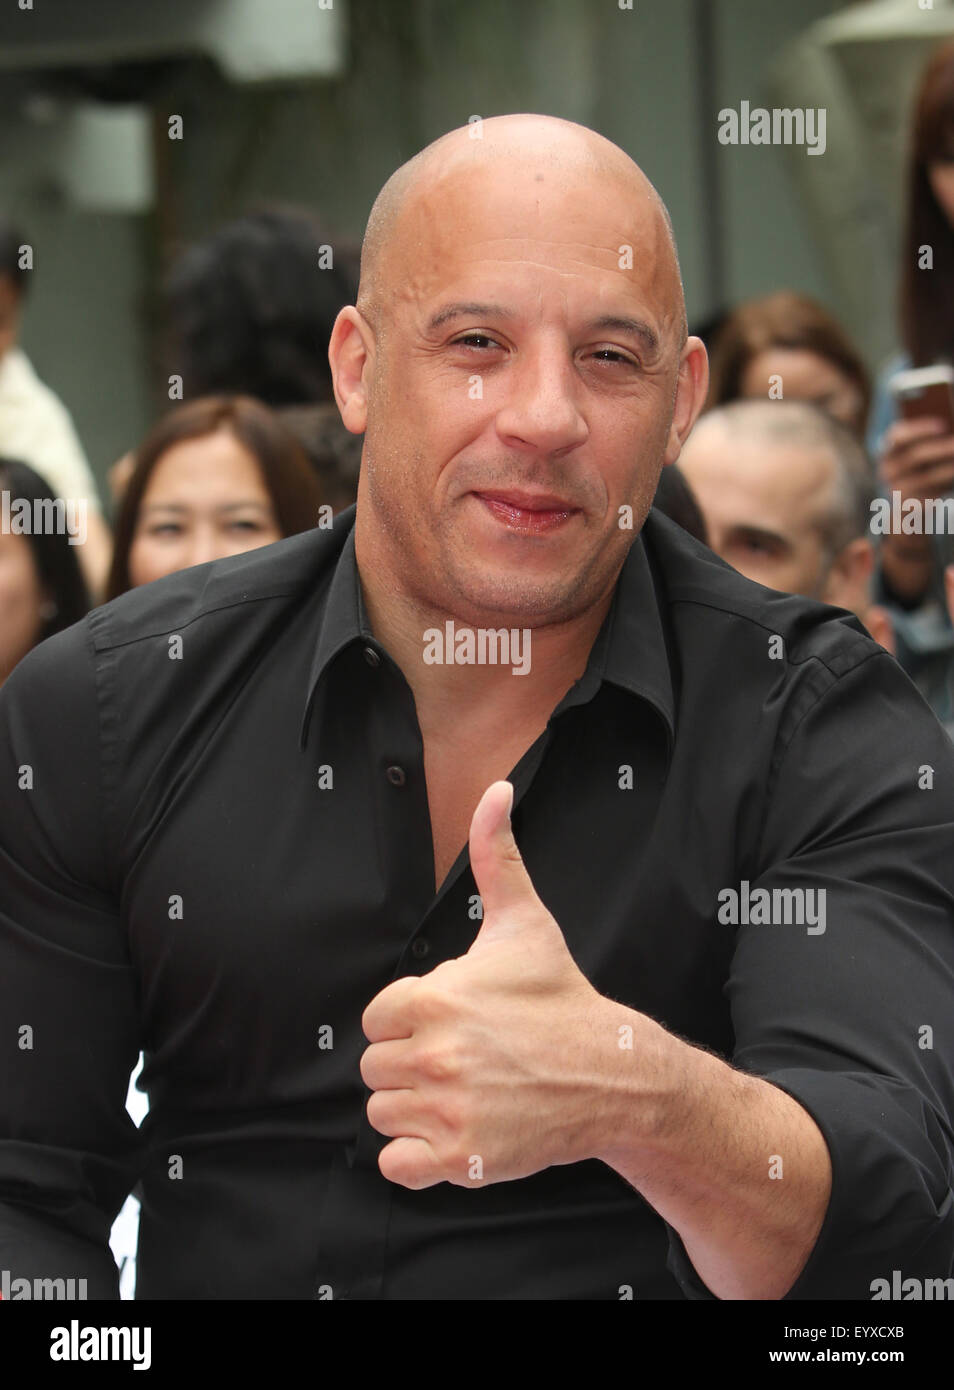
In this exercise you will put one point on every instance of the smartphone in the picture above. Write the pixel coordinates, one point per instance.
(925, 391)
(922, 392)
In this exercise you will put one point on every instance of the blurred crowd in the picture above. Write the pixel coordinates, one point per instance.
(779, 476)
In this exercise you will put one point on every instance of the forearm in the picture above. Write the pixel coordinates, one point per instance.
(736, 1166)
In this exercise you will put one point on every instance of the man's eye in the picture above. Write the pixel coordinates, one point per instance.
(476, 340)
(612, 356)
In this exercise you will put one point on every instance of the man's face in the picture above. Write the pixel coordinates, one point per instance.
(764, 506)
(521, 393)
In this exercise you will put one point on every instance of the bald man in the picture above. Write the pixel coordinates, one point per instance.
(510, 900)
(785, 490)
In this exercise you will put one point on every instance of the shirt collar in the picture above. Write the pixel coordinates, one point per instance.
(630, 650)
(344, 619)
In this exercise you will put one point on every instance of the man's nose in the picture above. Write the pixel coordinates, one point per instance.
(543, 408)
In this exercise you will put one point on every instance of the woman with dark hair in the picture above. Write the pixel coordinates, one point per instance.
(927, 292)
(214, 477)
(42, 589)
(916, 457)
(789, 340)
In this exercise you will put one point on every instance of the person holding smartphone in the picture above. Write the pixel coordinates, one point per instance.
(912, 428)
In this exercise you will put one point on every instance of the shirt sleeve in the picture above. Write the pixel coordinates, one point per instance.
(851, 1009)
(68, 1009)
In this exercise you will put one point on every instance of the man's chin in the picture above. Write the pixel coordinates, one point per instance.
(512, 598)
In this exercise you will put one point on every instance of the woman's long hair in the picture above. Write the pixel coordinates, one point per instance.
(55, 559)
(927, 295)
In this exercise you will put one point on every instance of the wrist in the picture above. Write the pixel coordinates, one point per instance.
(644, 1083)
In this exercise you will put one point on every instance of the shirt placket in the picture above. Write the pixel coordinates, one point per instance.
(358, 1199)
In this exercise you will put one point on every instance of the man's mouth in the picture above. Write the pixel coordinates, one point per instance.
(531, 513)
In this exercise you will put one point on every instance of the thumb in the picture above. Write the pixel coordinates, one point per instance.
(499, 872)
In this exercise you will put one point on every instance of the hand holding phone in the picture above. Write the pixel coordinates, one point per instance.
(925, 393)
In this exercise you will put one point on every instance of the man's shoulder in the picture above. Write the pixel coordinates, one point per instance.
(38, 428)
(232, 589)
(759, 669)
(222, 610)
(16, 371)
(129, 676)
(19, 380)
(712, 606)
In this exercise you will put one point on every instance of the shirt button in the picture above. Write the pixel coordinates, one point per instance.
(371, 657)
(420, 947)
(397, 776)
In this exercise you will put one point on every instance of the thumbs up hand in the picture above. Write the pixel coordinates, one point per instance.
(487, 1069)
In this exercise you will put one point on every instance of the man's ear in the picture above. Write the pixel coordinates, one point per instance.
(878, 622)
(351, 355)
(692, 386)
(849, 580)
(849, 586)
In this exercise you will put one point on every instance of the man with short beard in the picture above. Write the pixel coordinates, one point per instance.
(425, 958)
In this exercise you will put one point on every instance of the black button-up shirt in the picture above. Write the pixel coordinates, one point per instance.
(215, 847)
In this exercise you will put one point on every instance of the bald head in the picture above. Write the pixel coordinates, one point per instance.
(519, 366)
(818, 455)
(785, 491)
(501, 153)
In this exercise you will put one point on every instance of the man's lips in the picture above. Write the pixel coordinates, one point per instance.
(529, 501)
(527, 511)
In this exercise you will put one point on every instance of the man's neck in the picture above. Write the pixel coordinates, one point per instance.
(453, 676)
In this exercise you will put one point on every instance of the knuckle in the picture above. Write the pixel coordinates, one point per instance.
(431, 1001)
(438, 1063)
(453, 1114)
